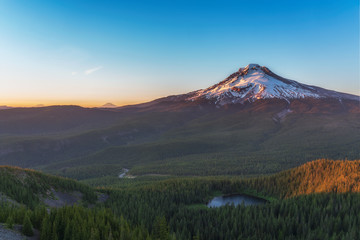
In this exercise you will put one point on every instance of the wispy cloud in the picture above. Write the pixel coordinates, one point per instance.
(73, 73)
(92, 70)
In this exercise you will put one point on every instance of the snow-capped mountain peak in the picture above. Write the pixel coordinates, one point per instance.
(256, 82)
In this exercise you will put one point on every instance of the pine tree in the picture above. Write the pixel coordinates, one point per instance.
(161, 229)
(67, 233)
(10, 222)
(45, 230)
(197, 236)
(110, 237)
(27, 227)
(54, 233)
(94, 234)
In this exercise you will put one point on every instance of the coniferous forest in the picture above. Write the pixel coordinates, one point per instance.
(318, 200)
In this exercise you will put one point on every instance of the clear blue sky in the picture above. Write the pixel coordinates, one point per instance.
(92, 52)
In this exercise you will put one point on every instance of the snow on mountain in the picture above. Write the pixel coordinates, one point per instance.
(255, 82)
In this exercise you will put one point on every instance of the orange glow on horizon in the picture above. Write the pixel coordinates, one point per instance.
(82, 103)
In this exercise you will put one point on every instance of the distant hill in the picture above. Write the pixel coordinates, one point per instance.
(39, 105)
(4, 107)
(53, 119)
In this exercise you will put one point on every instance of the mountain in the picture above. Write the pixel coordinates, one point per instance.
(109, 105)
(255, 82)
(253, 122)
(252, 86)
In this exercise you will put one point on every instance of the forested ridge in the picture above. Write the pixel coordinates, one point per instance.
(26, 186)
(318, 176)
(199, 140)
(318, 200)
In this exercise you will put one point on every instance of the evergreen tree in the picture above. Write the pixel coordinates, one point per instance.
(10, 222)
(27, 228)
(161, 229)
(45, 229)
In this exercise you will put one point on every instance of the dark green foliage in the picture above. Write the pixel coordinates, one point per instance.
(84, 224)
(10, 222)
(236, 143)
(161, 229)
(18, 188)
(91, 171)
(175, 208)
(27, 228)
(305, 217)
(122, 183)
(26, 186)
(238, 140)
(70, 223)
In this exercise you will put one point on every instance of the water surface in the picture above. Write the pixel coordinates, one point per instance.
(235, 199)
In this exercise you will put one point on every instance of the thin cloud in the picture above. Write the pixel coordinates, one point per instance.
(73, 73)
(92, 70)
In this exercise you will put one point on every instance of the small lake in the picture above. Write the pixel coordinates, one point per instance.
(236, 199)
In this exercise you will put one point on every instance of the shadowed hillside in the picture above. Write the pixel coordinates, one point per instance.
(181, 138)
(28, 187)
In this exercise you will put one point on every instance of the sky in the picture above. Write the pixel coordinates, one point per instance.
(92, 52)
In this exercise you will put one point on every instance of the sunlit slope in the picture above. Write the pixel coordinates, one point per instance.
(321, 176)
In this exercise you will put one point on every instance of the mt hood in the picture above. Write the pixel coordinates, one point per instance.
(256, 82)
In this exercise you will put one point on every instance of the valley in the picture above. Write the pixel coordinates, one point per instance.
(189, 142)
(148, 171)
